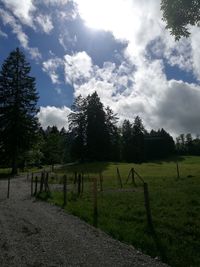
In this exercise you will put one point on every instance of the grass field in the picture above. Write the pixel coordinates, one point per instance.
(175, 206)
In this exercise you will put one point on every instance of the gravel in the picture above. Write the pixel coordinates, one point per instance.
(37, 234)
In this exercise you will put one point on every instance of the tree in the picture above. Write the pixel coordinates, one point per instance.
(179, 14)
(52, 149)
(138, 132)
(189, 143)
(35, 156)
(96, 129)
(196, 146)
(168, 147)
(65, 145)
(127, 146)
(180, 144)
(77, 127)
(18, 99)
(93, 130)
(113, 135)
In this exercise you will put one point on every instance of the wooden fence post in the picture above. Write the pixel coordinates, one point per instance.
(147, 206)
(36, 183)
(8, 193)
(133, 176)
(82, 183)
(119, 178)
(46, 184)
(79, 184)
(128, 177)
(64, 190)
(177, 169)
(41, 181)
(32, 184)
(95, 209)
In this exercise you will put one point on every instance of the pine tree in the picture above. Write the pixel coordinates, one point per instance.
(77, 127)
(138, 132)
(127, 146)
(18, 99)
(96, 132)
(113, 135)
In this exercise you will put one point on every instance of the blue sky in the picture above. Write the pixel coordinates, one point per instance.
(119, 48)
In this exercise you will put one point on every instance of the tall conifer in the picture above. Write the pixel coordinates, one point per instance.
(18, 99)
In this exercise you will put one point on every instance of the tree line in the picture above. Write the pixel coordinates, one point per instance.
(188, 145)
(93, 134)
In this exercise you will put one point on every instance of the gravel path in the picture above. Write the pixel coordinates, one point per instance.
(37, 234)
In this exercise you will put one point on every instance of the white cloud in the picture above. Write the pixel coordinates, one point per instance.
(139, 85)
(144, 90)
(54, 2)
(21, 36)
(54, 116)
(178, 109)
(66, 40)
(195, 40)
(3, 34)
(21, 9)
(78, 67)
(45, 23)
(28, 12)
(139, 22)
(51, 67)
(136, 21)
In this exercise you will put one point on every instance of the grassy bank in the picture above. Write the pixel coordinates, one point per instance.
(175, 206)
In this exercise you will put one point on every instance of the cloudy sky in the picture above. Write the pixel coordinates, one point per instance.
(119, 48)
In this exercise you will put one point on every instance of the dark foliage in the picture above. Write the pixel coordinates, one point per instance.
(18, 99)
(186, 145)
(158, 145)
(93, 130)
(55, 146)
(179, 14)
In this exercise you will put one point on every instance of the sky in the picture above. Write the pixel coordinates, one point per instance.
(118, 48)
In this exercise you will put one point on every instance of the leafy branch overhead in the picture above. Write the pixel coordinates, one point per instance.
(179, 14)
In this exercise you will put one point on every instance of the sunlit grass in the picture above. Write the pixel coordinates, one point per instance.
(175, 206)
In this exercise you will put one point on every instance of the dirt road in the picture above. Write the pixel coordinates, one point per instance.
(37, 234)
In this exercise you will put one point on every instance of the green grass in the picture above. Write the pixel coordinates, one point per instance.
(175, 207)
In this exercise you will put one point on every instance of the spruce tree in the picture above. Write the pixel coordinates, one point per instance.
(18, 99)
(113, 135)
(138, 132)
(127, 145)
(77, 126)
(96, 131)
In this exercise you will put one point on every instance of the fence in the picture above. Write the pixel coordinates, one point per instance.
(77, 184)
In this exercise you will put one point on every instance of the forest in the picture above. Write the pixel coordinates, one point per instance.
(94, 132)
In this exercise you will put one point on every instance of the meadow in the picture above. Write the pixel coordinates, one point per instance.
(175, 206)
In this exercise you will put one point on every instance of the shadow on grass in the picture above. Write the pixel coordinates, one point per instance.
(158, 243)
(4, 176)
(174, 159)
(87, 167)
